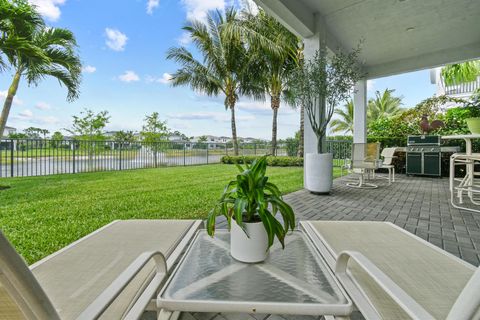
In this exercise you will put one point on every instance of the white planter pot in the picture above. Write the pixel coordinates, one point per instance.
(319, 172)
(251, 249)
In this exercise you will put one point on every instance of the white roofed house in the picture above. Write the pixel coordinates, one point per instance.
(249, 140)
(9, 130)
(213, 142)
(176, 138)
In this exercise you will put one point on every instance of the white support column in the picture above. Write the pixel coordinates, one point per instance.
(360, 112)
(312, 44)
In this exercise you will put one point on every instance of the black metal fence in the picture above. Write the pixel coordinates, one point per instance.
(341, 149)
(35, 157)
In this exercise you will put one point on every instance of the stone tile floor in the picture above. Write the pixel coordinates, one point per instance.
(420, 205)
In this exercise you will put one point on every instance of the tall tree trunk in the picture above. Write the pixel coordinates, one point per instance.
(275, 104)
(234, 130)
(302, 131)
(12, 91)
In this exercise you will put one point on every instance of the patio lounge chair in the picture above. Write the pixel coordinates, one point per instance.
(111, 273)
(392, 274)
(387, 163)
(365, 159)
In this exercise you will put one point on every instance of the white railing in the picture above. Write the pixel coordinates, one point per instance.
(461, 88)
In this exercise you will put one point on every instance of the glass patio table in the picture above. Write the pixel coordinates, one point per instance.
(295, 280)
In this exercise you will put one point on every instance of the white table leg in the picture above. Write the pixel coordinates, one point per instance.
(469, 167)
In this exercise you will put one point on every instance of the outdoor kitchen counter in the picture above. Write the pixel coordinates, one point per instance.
(468, 140)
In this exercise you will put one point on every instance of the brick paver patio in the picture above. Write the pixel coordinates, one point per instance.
(417, 204)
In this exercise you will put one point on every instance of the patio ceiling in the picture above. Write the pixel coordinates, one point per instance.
(399, 35)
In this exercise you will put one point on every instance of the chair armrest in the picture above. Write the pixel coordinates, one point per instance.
(404, 301)
(105, 299)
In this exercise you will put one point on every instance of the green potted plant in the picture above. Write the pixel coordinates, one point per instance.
(252, 203)
(473, 104)
(319, 86)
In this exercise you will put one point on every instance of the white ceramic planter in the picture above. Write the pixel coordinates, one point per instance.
(251, 249)
(319, 172)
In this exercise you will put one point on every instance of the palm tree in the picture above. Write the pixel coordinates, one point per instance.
(384, 105)
(265, 33)
(17, 20)
(301, 132)
(61, 62)
(344, 122)
(461, 72)
(227, 63)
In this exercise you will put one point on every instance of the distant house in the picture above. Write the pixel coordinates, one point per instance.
(249, 140)
(176, 138)
(213, 142)
(8, 131)
(462, 90)
(110, 134)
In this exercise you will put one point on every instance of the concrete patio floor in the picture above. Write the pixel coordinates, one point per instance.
(420, 205)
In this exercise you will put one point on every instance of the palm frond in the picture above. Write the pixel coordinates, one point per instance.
(461, 72)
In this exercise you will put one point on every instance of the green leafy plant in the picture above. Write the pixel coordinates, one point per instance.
(461, 72)
(322, 83)
(251, 198)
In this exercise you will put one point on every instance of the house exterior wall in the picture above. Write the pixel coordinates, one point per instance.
(8, 131)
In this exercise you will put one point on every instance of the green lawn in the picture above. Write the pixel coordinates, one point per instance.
(43, 214)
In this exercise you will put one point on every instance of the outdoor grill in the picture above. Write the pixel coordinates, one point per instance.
(424, 155)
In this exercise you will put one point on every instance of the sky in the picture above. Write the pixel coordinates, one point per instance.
(123, 47)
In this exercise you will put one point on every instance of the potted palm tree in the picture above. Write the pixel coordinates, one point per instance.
(324, 81)
(252, 202)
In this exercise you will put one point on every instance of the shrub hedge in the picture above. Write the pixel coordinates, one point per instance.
(279, 161)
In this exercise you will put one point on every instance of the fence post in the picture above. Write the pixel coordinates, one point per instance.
(120, 163)
(11, 158)
(73, 156)
(255, 148)
(207, 153)
(226, 149)
(184, 154)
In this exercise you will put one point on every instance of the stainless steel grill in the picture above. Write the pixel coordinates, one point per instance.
(424, 155)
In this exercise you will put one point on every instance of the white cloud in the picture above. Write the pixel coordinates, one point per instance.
(45, 120)
(50, 9)
(253, 106)
(263, 107)
(165, 78)
(129, 76)
(25, 114)
(184, 39)
(151, 5)
(215, 116)
(198, 9)
(43, 106)
(116, 40)
(89, 69)
(16, 101)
